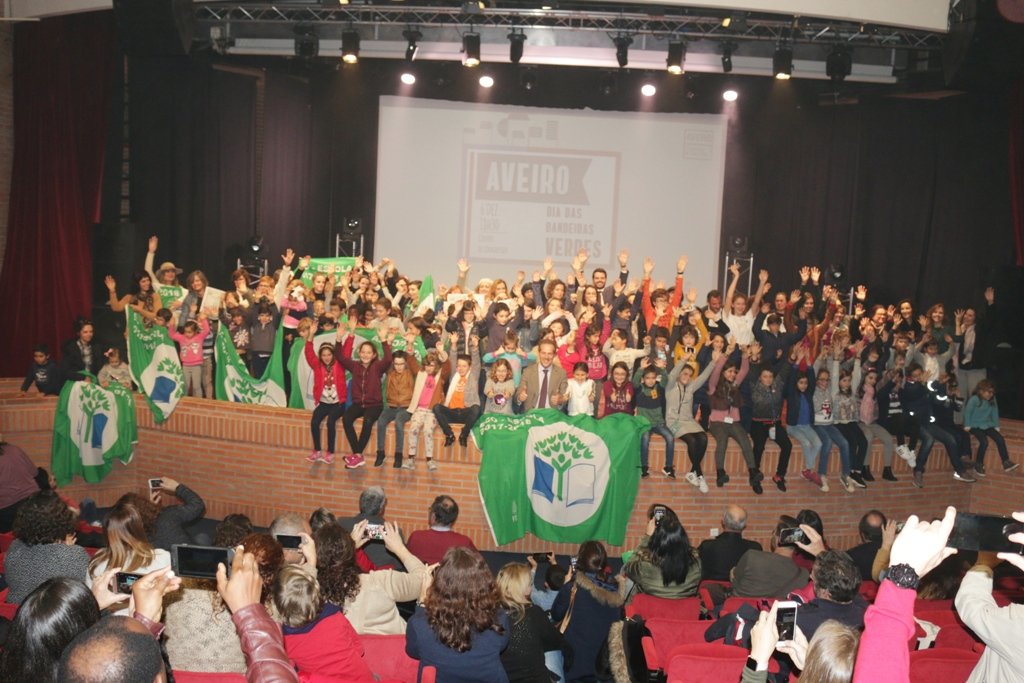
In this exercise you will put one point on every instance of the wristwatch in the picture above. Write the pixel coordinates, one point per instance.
(904, 576)
(753, 665)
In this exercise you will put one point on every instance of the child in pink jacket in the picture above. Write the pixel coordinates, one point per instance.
(190, 344)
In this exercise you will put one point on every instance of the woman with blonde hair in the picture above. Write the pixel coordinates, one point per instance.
(127, 546)
(828, 658)
(531, 634)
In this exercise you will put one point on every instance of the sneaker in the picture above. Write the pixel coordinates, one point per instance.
(866, 474)
(824, 484)
(431, 465)
(398, 461)
(669, 472)
(701, 484)
(328, 458)
(449, 439)
(756, 486)
(315, 456)
(380, 459)
(858, 479)
(888, 475)
(692, 478)
(964, 477)
(353, 461)
(409, 464)
(464, 438)
(919, 479)
(912, 459)
(1010, 466)
(967, 463)
(811, 476)
(723, 479)
(644, 473)
(979, 469)
(847, 482)
(903, 452)
(756, 475)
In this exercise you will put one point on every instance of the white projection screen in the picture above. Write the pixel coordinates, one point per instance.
(505, 186)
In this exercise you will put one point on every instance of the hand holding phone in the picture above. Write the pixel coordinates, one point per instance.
(375, 532)
(792, 536)
(199, 561)
(785, 619)
(289, 541)
(123, 582)
(985, 533)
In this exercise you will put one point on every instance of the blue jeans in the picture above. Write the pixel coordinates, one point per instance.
(829, 434)
(810, 442)
(554, 663)
(931, 433)
(645, 442)
(983, 435)
(400, 416)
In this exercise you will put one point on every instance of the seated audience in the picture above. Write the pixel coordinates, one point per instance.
(531, 634)
(430, 545)
(44, 546)
(373, 504)
(17, 482)
(828, 658)
(836, 583)
(665, 565)
(719, 555)
(770, 573)
(459, 627)
(863, 555)
(290, 524)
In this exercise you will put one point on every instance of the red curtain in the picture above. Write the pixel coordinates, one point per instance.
(1017, 167)
(63, 70)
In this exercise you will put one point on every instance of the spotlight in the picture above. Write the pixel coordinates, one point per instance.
(782, 62)
(648, 90)
(676, 57)
(408, 78)
(528, 80)
(730, 95)
(256, 244)
(728, 48)
(471, 49)
(726, 22)
(411, 35)
(307, 44)
(622, 43)
(839, 64)
(486, 81)
(515, 45)
(350, 46)
(473, 7)
(835, 274)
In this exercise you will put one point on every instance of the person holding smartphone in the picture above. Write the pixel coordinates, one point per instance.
(171, 520)
(665, 565)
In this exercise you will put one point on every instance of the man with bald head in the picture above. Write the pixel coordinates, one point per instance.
(113, 650)
(719, 555)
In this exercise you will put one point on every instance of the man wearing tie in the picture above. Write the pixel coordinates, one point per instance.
(544, 384)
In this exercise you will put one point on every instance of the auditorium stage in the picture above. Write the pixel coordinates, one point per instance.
(251, 459)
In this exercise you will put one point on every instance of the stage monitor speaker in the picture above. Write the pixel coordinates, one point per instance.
(155, 28)
(984, 49)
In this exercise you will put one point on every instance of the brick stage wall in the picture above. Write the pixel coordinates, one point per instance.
(251, 460)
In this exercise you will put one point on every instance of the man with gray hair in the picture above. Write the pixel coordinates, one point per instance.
(291, 524)
(372, 505)
(719, 555)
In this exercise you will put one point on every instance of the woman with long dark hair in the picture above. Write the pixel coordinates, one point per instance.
(665, 564)
(459, 627)
(48, 619)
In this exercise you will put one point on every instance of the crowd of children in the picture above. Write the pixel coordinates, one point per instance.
(805, 365)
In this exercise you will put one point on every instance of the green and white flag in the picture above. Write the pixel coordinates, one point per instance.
(92, 426)
(418, 349)
(342, 264)
(170, 293)
(427, 299)
(302, 374)
(233, 381)
(155, 366)
(365, 334)
(562, 479)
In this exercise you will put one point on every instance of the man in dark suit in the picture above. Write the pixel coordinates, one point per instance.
(372, 504)
(719, 555)
(545, 374)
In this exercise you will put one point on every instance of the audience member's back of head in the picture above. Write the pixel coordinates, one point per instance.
(297, 596)
(811, 519)
(289, 524)
(444, 511)
(47, 620)
(836, 573)
(43, 518)
(372, 501)
(870, 526)
(113, 650)
(831, 654)
(232, 530)
(592, 557)
(321, 517)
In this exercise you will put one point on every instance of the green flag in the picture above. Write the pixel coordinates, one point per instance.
(233, 381)
(155, 366)
(170, 293)
(301, 374)
(342, 264)
(563, 479)
(92, 426)
(427, 299)
(418, 349)
(366, 334)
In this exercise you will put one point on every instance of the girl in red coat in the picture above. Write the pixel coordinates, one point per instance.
(329, 394)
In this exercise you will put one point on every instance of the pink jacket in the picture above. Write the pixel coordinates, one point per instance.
(884, 655)
(191, 348)
(868, 406)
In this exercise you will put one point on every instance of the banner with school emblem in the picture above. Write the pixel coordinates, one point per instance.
(155, 366)
(92, 427)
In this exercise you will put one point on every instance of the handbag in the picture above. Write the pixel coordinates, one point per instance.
(568, 613)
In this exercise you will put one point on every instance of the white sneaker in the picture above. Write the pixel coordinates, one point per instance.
(847, 484)
(824, 484)
(701, 484)
(912, 459)
(691, 478)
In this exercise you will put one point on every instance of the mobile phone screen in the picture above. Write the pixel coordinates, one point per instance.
(985, 533)
(156, 483)
(199, 561)
(792, 536)
(785, 620)
(288, 541)
(124, 581)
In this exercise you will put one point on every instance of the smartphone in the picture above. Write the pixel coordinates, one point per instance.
(659, 512)
(155, 484)
(375, 531)
(123, 582)
(200, 561)
(785, 619)
(899, 526)
(985, 533)
(792, 536)
(572, 563)
(288, 541)
(540, 558)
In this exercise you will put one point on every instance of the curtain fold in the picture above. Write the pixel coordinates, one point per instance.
(63, 70)
(1016, 148)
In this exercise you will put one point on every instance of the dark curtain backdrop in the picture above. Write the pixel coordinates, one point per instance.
(63, 71)
(1016, 162)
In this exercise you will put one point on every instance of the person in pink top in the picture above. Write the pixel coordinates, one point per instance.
(724, 389)
(190, 345)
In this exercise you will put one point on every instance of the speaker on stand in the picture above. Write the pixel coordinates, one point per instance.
(738, 251)
(349, 242)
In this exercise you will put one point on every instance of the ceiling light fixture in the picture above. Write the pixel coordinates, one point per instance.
(676, 57)
(471, 49)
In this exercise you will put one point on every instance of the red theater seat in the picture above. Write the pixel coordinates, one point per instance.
(667, 634)
(386, 657)
(650, 607)
(706, 663)
(952, 631)
(6, 540)
(942, 664)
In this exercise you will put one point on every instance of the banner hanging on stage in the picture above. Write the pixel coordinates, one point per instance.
(233, 381)
(92, 426)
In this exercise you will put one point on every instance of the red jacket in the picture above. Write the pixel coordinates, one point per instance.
(366, 379)
(328, 646)
(320, 372)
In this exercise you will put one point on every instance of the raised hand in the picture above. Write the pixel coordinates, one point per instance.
(153, 242)
(463, 265)
(287, 257)
(623, 258)
(735, 269)
(304, 262)
(691, 296)
(681, 263)
(110, 283)
(762, 276)
(922, 545)
(990, 295)
(805, 275)
(861, 293)
(1013, 558)
(582, 257)
(648, 266)
(815, 274)
(922, 321)
(549, 263)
